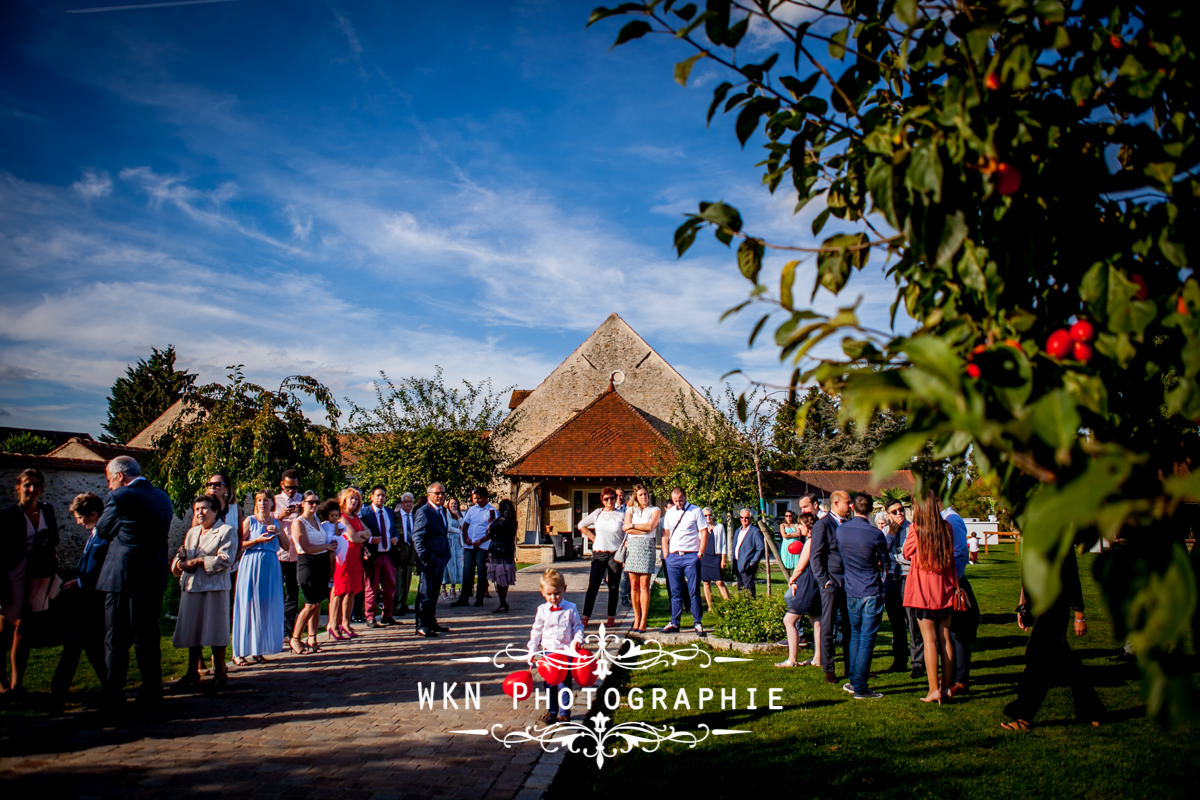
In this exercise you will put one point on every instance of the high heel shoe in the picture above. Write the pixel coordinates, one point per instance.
(333, 633)
(348, 632)
(296, 645)
(312, 645)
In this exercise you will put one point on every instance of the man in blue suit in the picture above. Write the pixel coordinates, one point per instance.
(380, 569)
(135, 522)
(826, 565)
(433, 551)
(748, 549)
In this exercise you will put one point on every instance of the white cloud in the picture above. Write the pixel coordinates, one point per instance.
(93, 184)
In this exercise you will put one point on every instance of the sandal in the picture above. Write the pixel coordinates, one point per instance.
(296, 645)
(1016, 725)
(238, 661)
(259, 659)
(312, 645)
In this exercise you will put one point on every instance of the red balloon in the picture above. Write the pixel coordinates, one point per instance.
(796, 547)
(521, 677)
(551, 672)
(584, 667)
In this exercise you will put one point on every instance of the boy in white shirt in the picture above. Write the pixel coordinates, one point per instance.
(557, 628)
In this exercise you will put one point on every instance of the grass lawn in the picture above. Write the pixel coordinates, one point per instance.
(824, 743)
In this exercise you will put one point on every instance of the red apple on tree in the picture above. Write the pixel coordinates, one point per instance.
(1059, 343)
(1082, 331)
(1082, 351)
(973, 370)
(1008, 179)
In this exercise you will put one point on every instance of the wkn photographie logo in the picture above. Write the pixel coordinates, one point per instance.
(587, 670)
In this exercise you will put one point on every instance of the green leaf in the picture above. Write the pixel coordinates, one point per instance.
(718, 95)
(603, 13)
(906, 11)
(786, 279)
(799, 88)
(836, 259)
(684, 68)
(954, 231)
(747, 121)
(632, 30)
(685, 235)
(758, 326)
(896, 454)
(1055, 419)
(749, 256)
(924, 173)
(724, 215)
(837, 44)
(820, 219)
(879, 185)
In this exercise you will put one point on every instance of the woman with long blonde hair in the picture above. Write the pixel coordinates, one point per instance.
(929, 590)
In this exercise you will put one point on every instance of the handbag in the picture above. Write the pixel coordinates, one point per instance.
(959, 601)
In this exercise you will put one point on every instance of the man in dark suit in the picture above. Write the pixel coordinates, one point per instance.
(864, 555)
(135, 522)
(380, 570)
(826, 564)
(432, 551)
(748, 549)
(403, 557)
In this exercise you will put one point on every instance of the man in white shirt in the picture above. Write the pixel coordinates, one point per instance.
(477, 537)
(287, 509)
(685, 535)
(380, 570)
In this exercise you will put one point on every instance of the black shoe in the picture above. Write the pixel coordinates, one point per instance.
(917, 673)
(501, 610)
(461, 602)
(404, 611)
(478, 603)
(386, 621)
(830, 677)
(428, 634)
(897, 666)
(372, 623)
(441, 629)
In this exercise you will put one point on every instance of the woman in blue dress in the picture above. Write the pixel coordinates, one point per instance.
(258, 599)
(454, 567)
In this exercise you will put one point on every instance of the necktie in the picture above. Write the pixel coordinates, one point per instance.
(383, 532)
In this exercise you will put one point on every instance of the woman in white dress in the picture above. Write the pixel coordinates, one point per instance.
(605, 528)
(642, 522)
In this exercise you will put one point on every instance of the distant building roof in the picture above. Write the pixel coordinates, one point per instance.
(145, 438)
(609, 438)
(50, 462)
(796, 483)
(88, 449)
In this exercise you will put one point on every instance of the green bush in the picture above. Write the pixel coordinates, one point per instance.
(26, 443)
(749, 619)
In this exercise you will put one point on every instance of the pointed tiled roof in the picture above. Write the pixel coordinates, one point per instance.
(89, 449)
(609, 438)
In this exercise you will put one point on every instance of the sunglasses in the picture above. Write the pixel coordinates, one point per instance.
(214, 484)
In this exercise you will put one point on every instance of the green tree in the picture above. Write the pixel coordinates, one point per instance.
(1029, 172)
(422, 430)
(711, 453)
(251, 433)
(25, 442)
(808, 434)
(147, 389)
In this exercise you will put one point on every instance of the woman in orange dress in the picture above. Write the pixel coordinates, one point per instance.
(929, 590)
(348, 566)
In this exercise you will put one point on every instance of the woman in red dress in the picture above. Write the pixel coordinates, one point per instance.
(929, 590)
(348, 567)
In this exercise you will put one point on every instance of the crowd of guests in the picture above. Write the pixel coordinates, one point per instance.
(256, 583)
(252, 583)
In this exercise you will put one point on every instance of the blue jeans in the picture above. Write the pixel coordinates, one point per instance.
(683, 575)
(865, 614)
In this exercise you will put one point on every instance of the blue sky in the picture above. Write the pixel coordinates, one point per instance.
(336, 188)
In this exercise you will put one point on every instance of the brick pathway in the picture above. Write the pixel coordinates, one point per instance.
(342, 723)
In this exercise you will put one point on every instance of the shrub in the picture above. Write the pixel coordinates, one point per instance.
(26, 443)
(749, 619)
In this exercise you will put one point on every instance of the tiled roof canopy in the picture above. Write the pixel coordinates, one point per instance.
(607, 439)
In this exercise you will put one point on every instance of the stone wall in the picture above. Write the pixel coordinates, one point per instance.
(62, 484)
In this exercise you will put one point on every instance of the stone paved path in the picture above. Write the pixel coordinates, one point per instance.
(342, 723)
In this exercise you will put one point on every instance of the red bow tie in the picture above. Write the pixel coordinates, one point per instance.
(556, 608)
